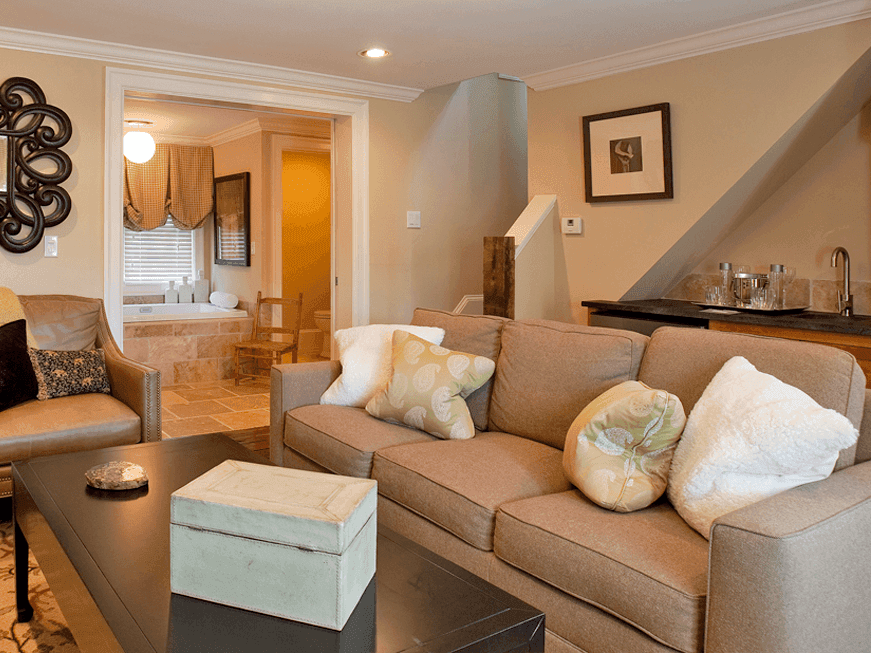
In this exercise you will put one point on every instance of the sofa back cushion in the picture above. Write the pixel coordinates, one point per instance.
(547, 372)
(61, 322)
(472, 334)
(683, 362)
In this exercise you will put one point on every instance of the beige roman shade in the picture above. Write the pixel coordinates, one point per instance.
(178, 180)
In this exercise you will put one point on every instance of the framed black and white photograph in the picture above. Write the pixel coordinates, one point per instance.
(233, 219)
(627, 155)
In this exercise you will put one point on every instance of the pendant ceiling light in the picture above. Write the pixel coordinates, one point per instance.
(138, 146)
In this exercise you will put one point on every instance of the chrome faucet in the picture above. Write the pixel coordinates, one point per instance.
(845, 299)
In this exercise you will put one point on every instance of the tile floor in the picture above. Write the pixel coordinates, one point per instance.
(239, 411)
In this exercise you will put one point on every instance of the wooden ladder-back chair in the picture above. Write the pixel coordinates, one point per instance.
(261, 352)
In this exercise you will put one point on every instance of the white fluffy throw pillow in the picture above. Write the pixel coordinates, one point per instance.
(366, 353)
(749, 437)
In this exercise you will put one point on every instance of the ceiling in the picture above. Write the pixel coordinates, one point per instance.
(179, 122)
(433, 42)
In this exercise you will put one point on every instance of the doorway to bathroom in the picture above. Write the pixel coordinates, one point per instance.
(303, 238)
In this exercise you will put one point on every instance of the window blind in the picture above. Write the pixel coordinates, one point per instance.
(158, 255)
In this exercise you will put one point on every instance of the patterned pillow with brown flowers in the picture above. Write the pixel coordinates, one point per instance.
(62, 373)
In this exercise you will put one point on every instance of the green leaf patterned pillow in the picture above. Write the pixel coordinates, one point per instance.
(429, 386)
(618, 450)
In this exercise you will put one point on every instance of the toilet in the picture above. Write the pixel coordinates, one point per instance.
(322, 322)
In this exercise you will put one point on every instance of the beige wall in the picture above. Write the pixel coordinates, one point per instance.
(826, 204)
(76, 86)
(458, 155)
(242, 155)
(729, 111)
(306, 231)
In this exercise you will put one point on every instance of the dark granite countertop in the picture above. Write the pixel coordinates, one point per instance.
(812, 320)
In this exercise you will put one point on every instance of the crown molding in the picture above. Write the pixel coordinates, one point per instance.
(797, 21)
(192, 64)
(177, 139)
(311, 137)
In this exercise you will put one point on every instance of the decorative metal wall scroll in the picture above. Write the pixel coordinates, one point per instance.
(32, 165)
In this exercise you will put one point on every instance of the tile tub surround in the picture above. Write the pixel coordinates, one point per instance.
(187, 351)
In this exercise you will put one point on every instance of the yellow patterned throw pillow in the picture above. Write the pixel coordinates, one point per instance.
(618, 450)
(429, 386)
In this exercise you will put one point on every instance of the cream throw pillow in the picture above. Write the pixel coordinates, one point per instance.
(618, 450)
(11, 310)
(429, 387)
(365, 353)
(749, 437)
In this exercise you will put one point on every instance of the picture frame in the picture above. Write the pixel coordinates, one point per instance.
(233, 219)
(627, 155)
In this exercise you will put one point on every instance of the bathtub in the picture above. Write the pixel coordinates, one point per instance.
(167, 312)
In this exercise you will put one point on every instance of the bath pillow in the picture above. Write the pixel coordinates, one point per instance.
(428, 388)
(17, 380)
(748, 437)
(366, 356)
(619, 448)
(11, 310)
(62, 373)
(223, 299)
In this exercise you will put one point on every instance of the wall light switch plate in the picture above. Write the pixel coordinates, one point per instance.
(413, 220)
(573, 225)
(51, 246)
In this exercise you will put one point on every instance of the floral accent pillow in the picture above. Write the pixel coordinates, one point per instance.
(429, 386)
(619, 448)
(62, 373)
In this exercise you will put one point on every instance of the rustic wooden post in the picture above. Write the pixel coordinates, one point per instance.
(499, 276)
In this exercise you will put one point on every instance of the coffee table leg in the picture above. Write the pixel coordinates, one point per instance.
(25, 610)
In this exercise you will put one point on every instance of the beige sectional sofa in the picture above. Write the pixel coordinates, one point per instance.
(130, 414)
(789, 573)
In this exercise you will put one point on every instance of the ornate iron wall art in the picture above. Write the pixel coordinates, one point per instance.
(31, 133)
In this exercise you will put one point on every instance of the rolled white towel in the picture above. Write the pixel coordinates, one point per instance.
(223, 299)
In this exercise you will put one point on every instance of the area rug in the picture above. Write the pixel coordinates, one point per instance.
(47, 631)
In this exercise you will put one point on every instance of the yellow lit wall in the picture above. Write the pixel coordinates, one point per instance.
(306, 230)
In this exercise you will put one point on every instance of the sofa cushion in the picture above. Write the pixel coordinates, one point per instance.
(548, 371)
(64, 424)
(459, 484)
(648, 567)
(11, 310)
(62, 373)
(683, 361)
(343, 439)
(428, 387)
(62, 323)
(474, 334)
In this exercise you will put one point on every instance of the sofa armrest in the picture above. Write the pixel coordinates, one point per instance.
(137, 386)
(791, 573)
(293, 385)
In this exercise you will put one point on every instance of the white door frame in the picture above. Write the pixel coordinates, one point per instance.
(120, 81)
(279, 143)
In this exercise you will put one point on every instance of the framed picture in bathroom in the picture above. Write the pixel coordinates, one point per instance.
(233, 219)
(627, 154)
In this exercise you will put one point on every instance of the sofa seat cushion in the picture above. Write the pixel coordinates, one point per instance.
(648, 567)
(548, 372)
(459, 484)
(66, 424)
(343, 439)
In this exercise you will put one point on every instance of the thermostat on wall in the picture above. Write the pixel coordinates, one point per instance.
(573, 225)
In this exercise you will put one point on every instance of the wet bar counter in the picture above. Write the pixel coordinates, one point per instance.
(852, 334)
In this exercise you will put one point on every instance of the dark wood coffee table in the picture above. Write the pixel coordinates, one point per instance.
(106, 558)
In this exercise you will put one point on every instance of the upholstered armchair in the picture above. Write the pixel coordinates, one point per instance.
(130, 414)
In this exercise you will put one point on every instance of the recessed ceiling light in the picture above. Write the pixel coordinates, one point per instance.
(374, 53)
(138, 123)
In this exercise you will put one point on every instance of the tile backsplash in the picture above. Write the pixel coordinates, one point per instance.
(820, 295)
